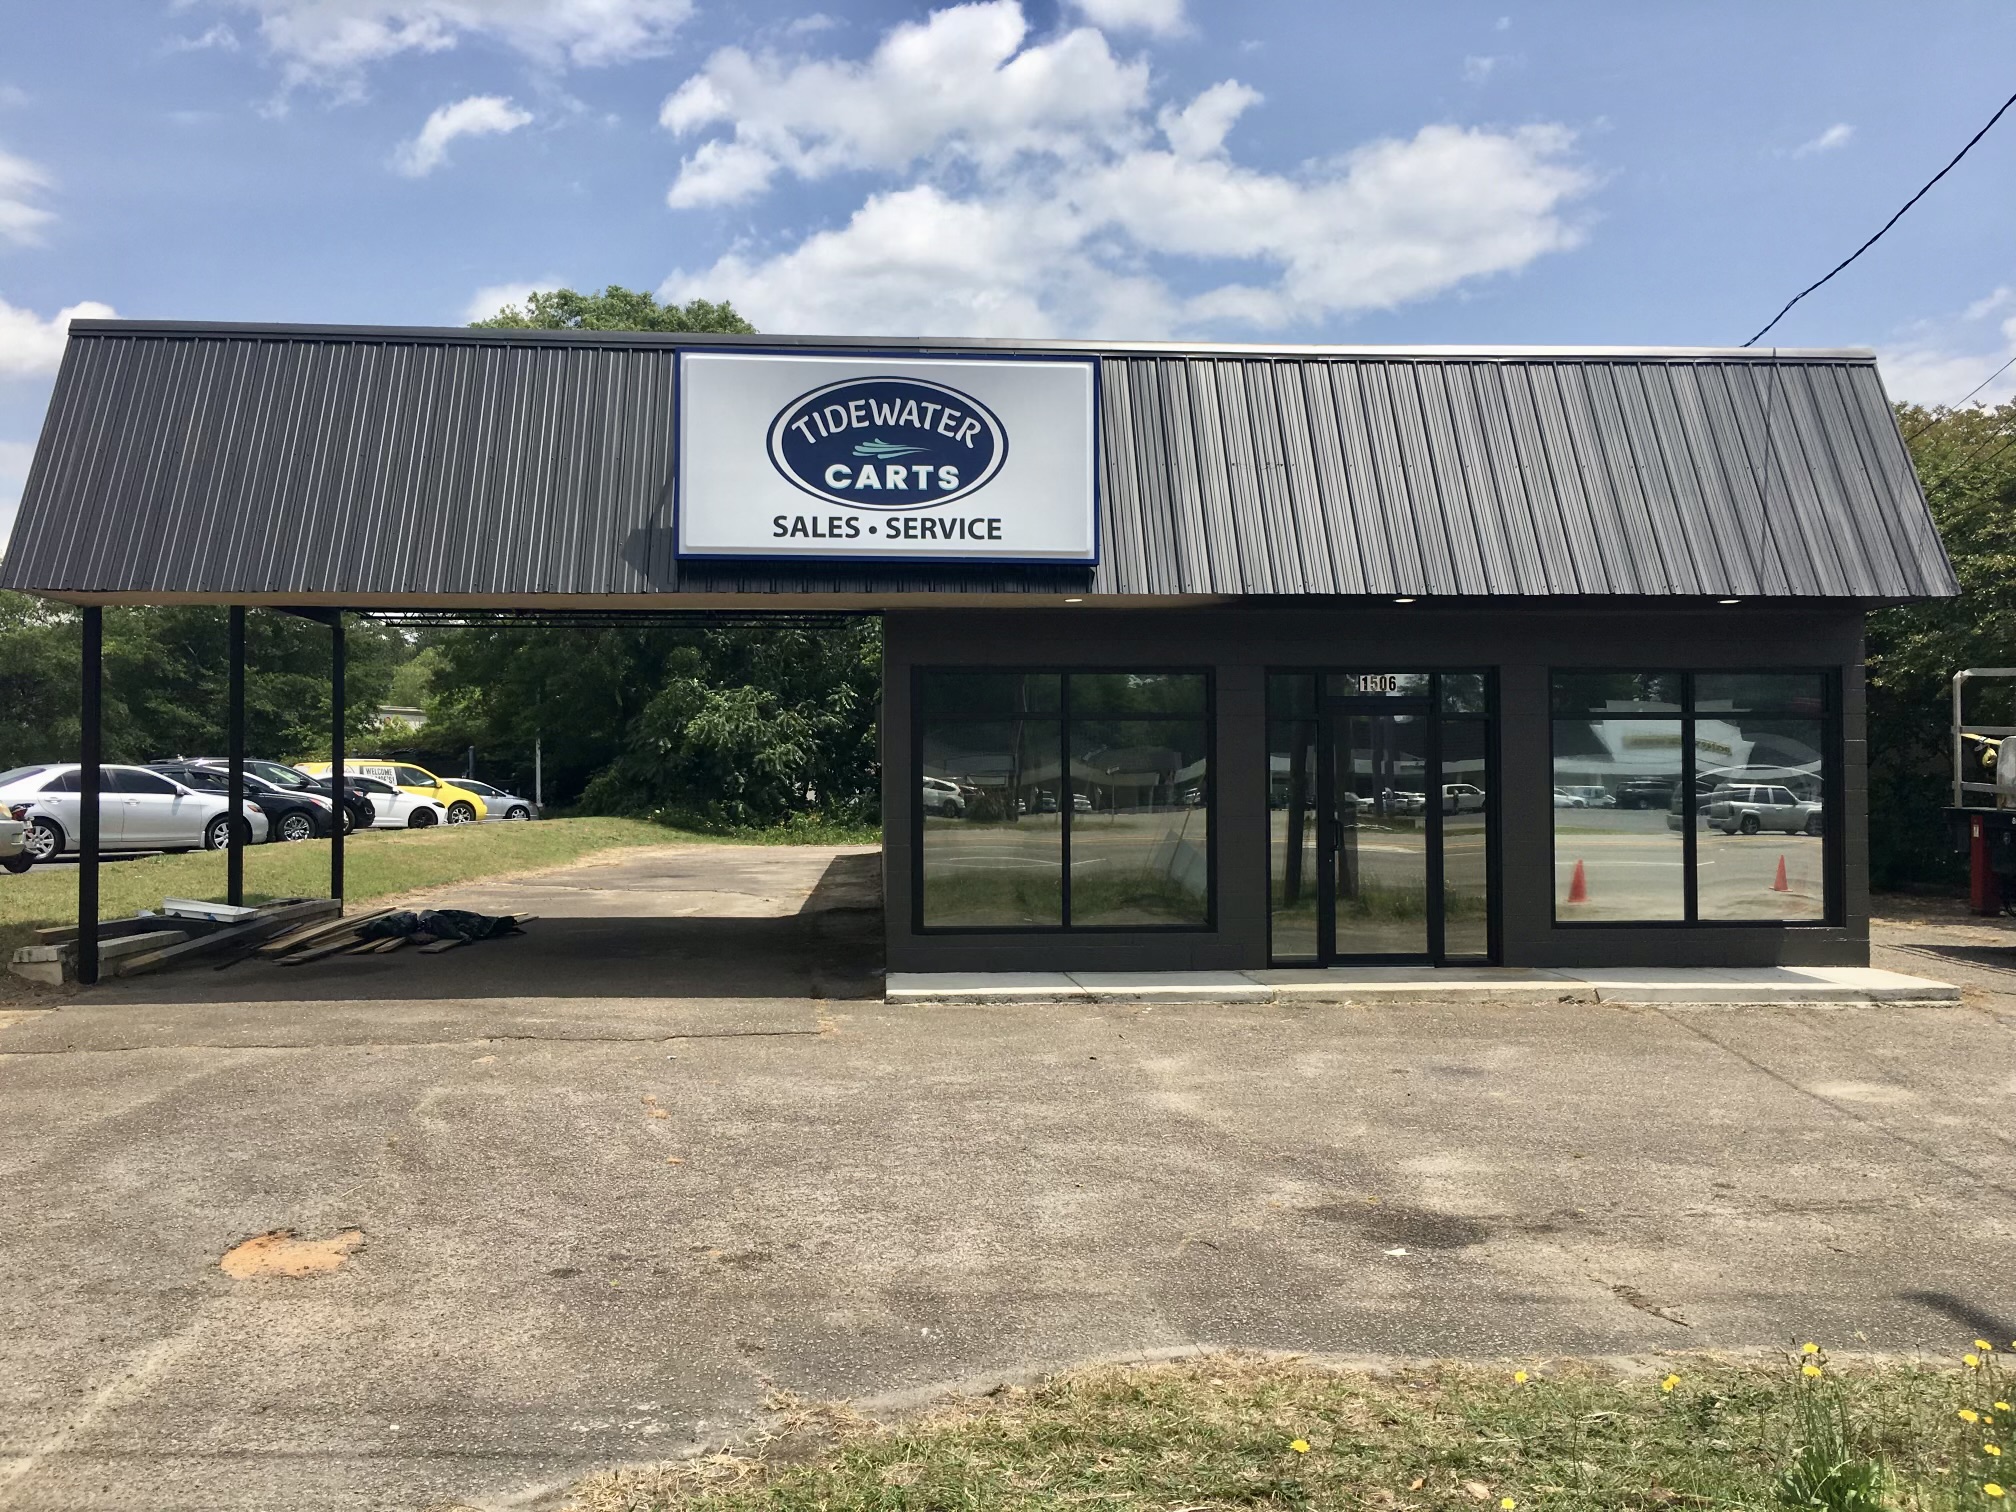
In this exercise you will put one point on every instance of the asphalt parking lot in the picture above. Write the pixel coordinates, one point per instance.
(589, 1195)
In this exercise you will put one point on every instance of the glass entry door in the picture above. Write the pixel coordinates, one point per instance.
(1381, 838)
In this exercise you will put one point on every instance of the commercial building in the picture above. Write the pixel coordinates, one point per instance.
(1196, 657)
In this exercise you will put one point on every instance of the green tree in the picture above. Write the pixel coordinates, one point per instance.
(167, 681)
(1966, 461)
(616, 309)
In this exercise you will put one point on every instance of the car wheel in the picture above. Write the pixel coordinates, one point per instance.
(45, 839)
(297, 827)
(519, 811)
(460, 812)
(1815, 825)
(1749, 824)
(20, 863)
(367, 813)
(422, 819)
(217, 833)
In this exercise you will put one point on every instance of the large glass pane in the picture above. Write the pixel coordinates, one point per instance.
(1291, 695)
(1762, 806)
(1466, 799)
(987, 695)
(1617, 693)
(1382, 819)
(1619, 856)
(1797, 694)
(1139, 794)
(1136, 693)
(1291, 847)
(993, 823)
(1463, 692)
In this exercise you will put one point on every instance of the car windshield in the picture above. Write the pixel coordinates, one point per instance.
(279, 775)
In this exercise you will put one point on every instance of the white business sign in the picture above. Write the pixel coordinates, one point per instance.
(964, 459)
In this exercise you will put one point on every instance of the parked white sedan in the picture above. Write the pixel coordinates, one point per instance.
(137, 810)
(397, 808)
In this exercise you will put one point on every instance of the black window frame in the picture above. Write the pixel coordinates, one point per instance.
(1066, 809)
(1833, 758)
(1324, 709)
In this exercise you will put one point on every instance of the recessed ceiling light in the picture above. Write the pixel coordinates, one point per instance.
(1074, 601)
(1728, 601)
(1403, 601)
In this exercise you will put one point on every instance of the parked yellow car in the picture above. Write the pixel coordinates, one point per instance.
(463, 806)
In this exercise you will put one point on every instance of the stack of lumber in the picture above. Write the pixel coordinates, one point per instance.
(182, 931)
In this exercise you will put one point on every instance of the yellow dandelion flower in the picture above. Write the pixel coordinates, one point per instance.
(1983, 1345)
(1669, 1383)
(1972, 1362)
(2003, 1407)
(1300, 1446)
(1991, 1489)
(1519, 1376)
(1809, 1349)
(1969, 1415)
(1994, 1449)
(1507, 1503)
(1809, 1370)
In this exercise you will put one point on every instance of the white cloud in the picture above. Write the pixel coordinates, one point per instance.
(721, 173)
(1477, 69)
(1159, 18)
(960, 84)
(1032, 188)
(12, 97)
(1942, 361)
(20, 180)
(14, 459)
(217, 38)
(492, 298)
(479, 115)
(1834, 136)
(329, 42)
(31, 347)
(1200, 128)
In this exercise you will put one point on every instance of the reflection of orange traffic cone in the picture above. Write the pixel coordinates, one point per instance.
(1578, 886)
(1780, 884)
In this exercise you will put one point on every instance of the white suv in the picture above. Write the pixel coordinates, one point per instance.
(1747, 809)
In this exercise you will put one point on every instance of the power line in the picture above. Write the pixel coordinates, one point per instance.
(1887, 224)
(1954, 409)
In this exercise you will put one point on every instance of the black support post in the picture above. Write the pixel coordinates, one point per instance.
(234, 865)
(90, 785)
(337, 672)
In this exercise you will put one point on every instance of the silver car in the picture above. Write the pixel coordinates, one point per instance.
(137, 810)
(502, 805)
(1747, 809)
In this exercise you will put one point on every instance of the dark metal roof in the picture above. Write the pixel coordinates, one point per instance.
(375, 467)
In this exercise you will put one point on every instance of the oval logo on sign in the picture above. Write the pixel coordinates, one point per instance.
(888, 443)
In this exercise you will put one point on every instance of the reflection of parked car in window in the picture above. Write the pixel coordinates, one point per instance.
(942, 797)
(1647, 792)
(1593, 797)
(1746, 810)
(1565, 799)
(1462, 798)
(1081, 803)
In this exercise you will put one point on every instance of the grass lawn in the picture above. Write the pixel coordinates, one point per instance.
(376, 864)
(1229, 1431)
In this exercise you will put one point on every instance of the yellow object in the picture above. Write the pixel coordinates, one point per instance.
(408, 778)
(1507, 1503)
(1300, 1446)
(1519, 1376)
(1983, 1345)
(1810, 1370)
(1669, 1383)
(1809, 1349)
(1994, 1449)
(1969, 1415)
(1972, 1362)
(1991, 1489)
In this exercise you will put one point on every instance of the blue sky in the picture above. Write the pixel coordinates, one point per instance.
(1290, 170)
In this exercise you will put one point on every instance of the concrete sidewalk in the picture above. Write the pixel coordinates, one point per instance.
(1729, 986)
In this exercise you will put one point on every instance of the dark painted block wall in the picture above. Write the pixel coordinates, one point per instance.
(1241, 643)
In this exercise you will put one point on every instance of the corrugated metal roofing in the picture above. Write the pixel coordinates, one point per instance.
(380, 466)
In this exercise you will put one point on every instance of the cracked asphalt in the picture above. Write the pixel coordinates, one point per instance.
(620, 1178)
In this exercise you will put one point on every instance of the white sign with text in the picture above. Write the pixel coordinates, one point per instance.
(853, 457)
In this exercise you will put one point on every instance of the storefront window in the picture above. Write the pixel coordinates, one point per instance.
(1064, 800)
(1717, 816)
(1292, 850)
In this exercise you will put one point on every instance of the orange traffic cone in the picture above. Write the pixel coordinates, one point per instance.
(1578, 886)
(1780, 884)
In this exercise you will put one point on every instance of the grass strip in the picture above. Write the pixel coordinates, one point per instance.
(376, 864)
(1231, 1431)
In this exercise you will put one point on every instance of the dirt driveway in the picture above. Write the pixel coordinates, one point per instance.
(610, 1185)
